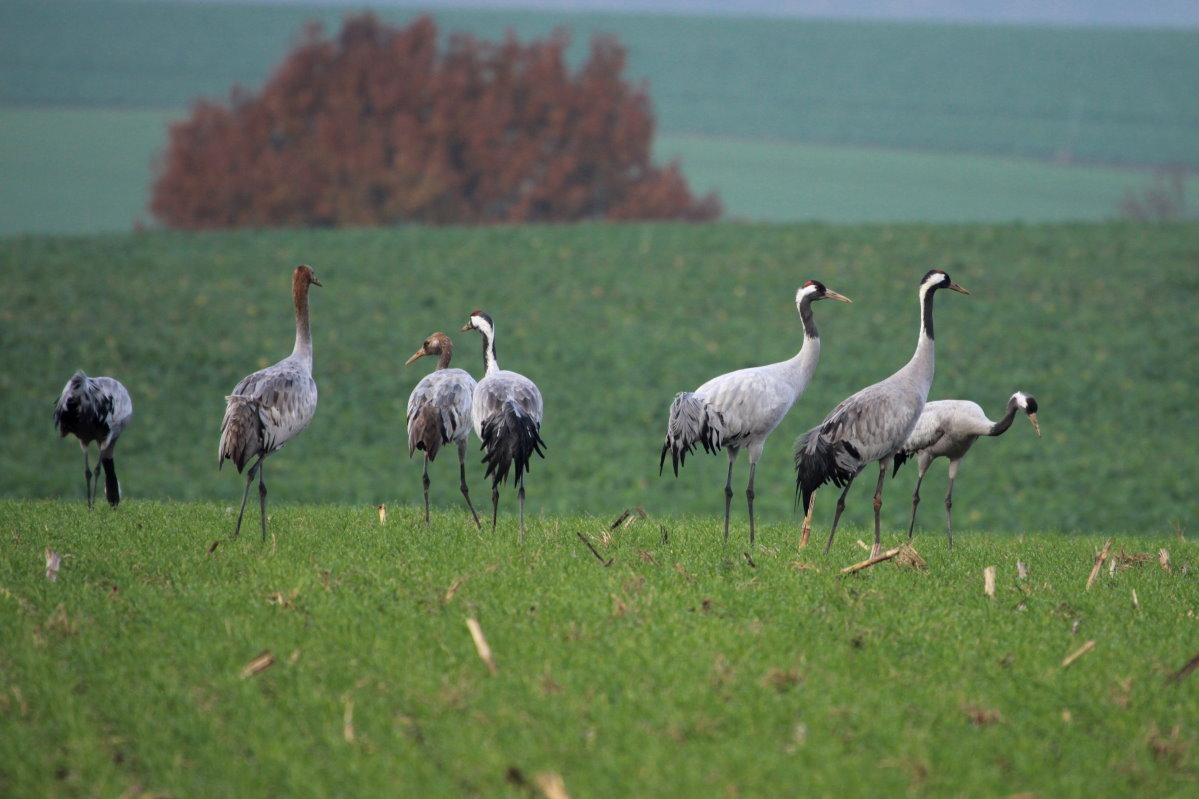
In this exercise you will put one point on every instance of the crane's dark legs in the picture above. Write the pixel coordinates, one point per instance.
(749, 495)
(495, 505)
(462, 482)
(953, 472)
(878, 507)
(915, 502)
(425, 482)
(246, 493)
(112, 488)
(87, 474)
(837, 515)
(262, 498)
(520, 496)
(728, 496)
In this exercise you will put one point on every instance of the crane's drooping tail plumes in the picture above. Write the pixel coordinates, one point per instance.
(241, 431)
(819, 461)
(428, 432)
(693, 422)
(509, 437)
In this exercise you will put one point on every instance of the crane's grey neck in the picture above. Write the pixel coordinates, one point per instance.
(490, 363)
(1000, 427)
(803, 364)
(303, 347)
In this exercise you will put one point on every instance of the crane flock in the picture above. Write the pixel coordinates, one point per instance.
(887, 422)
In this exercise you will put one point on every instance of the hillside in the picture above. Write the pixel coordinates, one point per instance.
(611, 321)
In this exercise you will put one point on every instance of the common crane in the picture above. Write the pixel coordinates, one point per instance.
(741, 409)
(95, 409)
(439, 412)
(872, 424)
(273, 405)
(506, 412)
(947, 429)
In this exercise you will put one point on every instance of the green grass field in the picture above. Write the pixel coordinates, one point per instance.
(679, 669)
(611, 321)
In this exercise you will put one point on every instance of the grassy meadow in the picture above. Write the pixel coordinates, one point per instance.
(169, 660)
(611, 321)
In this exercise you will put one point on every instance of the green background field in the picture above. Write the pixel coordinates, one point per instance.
(787, 119)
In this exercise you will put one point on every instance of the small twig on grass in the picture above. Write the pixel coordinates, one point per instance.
(1163, 557)
(598, 556)
(1181, 674)
(552, 785)
(258, 665)
(1082, 650)
(476, 634)
(1099, 559)
(989, 581)
(215, 544)
(347, 720)
(749, 560)
(1021, 570)
(866, 564)
(1136, 605)
(628, 516)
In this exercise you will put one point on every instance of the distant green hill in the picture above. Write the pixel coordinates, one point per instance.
(1122, 96)
(611, 321)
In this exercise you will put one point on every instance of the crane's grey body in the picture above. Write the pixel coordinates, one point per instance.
(439, 413)
(95, 409)
(947, 429)
(741, 409)
(506, 412)
(273, 405)
(872, 424)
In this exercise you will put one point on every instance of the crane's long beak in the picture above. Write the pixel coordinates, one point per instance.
(956, 287)
(316, 282)
(468, 326)
(421, 353)
(1032, 417)
(832, 295)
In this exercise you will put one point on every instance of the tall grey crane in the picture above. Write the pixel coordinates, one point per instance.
(872, 424)
(947, 429)
(742, 408)
(273, 405)
(439, 412)
(506, 412)
(95, 409)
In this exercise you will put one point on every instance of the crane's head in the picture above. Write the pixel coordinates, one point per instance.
(435, 344)
(815, 290)
(937, 279)
(481, 321)
(1028, 404)
(304, 277)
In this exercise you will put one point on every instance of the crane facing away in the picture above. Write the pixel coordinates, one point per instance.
(439, 412)
(872, 424)
(742, 408)
(947, 429)
(273, 405)
(95, 409)
(506, 412)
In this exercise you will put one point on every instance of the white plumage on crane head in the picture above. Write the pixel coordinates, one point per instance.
(1028, 404)
(817, 291)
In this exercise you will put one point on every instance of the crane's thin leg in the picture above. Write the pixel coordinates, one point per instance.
(262, 499)
(462, 481)
(520, 496)
(87, 475)
(916, 501)
(805, 531)
(425, 482)
(495, 505)
(728, 492)
(878, 507)
(953, 472)
(749, 495)
(244, 494)
(837, 516)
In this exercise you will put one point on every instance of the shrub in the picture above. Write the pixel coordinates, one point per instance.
(379, 127)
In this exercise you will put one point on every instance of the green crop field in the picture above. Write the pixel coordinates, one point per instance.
(167, 660)
(611, 321)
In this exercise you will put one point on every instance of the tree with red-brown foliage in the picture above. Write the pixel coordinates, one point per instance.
(380, 127)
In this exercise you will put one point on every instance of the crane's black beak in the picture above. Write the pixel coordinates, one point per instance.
(419, 354)
(955, 287)
(829, 294)
(1032, 417)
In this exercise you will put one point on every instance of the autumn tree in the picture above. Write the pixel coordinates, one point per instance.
(380, 126)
